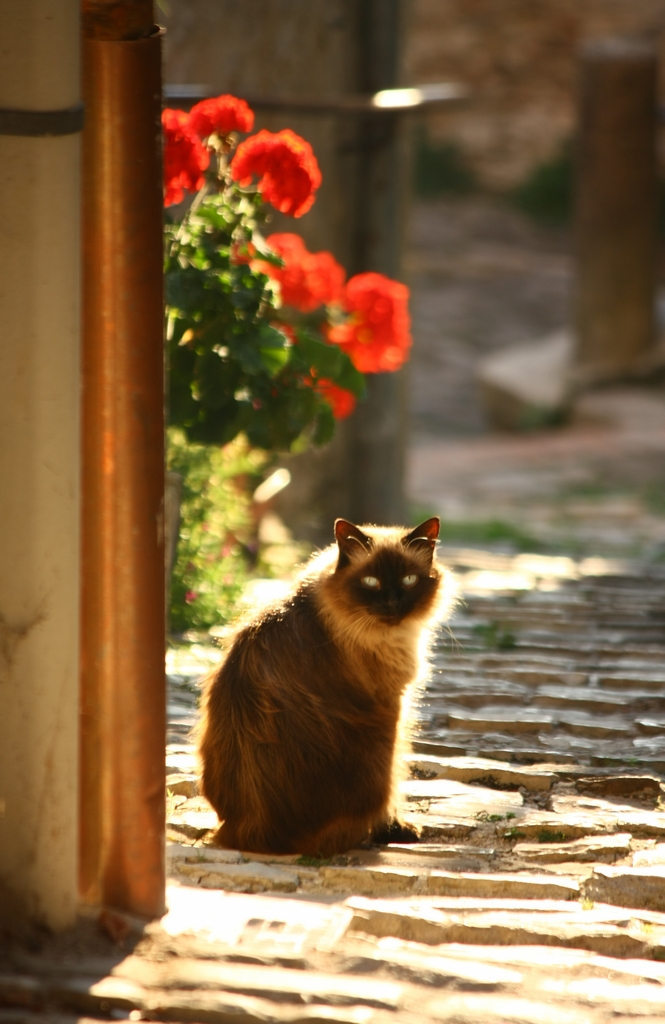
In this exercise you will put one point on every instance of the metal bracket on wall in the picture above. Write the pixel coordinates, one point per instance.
(39, 123)
(387, 101)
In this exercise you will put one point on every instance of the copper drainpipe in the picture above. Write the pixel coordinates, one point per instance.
(123, 695)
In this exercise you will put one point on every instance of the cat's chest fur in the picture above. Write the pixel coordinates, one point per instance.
(384, 660)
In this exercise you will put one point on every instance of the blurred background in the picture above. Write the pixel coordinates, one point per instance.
(525, 212)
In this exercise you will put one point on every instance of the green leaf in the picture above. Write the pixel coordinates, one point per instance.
(248, 353)
(216, 379)
(274, 359)
(271, 337)
(325, 359)
(329, 361)
(182, 408)
(324, 425)
(350, 378)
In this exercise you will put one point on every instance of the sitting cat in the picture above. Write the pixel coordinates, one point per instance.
(304, 723)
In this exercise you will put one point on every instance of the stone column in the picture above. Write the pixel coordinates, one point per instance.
(615, 209)
(39, 466)
(376, 433)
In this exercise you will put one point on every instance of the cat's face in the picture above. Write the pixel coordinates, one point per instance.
(389, 574)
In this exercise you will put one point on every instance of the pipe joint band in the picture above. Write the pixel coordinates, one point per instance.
(38, 123)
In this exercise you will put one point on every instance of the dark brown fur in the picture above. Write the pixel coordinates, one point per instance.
(303, 722)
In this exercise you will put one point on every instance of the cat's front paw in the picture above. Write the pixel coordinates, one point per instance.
(395, 831)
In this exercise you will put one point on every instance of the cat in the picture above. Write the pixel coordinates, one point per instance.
(305, 722)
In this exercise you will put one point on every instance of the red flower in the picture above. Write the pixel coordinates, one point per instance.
(220, 116)
(185, 158)
(242, 252)
(287, 330)
(377, 334)
(341, 401)
(307, 279)
(325, 277)
(285, 166)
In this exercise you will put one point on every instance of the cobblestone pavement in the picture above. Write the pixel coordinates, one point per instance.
(537, 892)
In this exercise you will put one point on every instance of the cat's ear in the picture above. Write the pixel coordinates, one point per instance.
(348, 538)
(423, 537)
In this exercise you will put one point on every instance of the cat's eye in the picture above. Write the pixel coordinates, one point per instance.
(408, 581)
(370, 581)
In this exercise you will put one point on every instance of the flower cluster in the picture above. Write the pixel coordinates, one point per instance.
(188, 139)
(220, 117)
(370, 312)
(307, 279)
(341, 401)
(376, 334)
(285, 166)
(267, 358)
(185, 159)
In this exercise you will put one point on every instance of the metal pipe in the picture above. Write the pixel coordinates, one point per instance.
(379, 104)
(123, 696)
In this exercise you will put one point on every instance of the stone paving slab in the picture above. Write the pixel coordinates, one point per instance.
(495, 719)
(628, 886)
(271, 982)
(595, 850)
(600, 930)
(480, 770)
(18, 1016)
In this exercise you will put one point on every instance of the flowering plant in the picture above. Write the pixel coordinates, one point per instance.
(264, 337)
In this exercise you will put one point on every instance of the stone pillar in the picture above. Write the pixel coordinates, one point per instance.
(615, 209)
(39, 467)
(376, 433)
(123, 704)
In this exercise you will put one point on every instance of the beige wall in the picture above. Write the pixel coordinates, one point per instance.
(39, 471)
